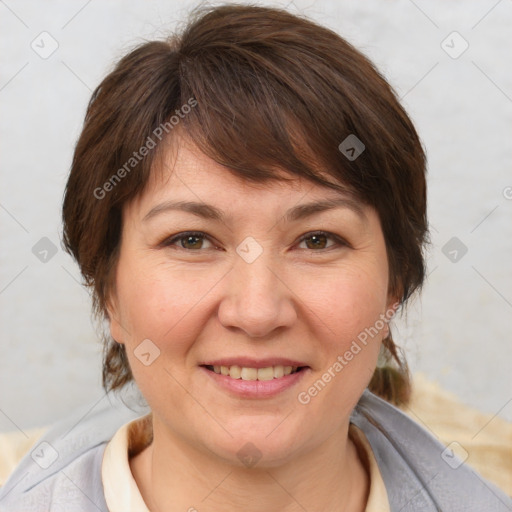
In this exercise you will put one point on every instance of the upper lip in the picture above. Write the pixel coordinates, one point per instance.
(250, 362)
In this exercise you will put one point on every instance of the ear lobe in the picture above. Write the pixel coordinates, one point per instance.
(116, 330)
(393, 301)
(391, 309)
(111, 306)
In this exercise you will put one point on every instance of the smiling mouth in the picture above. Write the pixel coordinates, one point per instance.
(247, 373)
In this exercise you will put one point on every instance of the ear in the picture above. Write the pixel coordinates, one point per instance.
(394, 299)
(117, 331)
(392, 306)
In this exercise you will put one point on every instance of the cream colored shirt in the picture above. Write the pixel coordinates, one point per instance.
(123, 495)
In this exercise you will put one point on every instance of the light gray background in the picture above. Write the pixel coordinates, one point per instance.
(458, 333)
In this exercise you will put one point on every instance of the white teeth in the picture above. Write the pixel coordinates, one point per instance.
(266, 373)
(235, 371)
(278, 371)
(247, 373)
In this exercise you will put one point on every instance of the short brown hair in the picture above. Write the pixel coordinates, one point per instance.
(270, 90)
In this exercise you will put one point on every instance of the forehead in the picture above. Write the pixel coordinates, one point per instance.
(183, 164)
(183, 172)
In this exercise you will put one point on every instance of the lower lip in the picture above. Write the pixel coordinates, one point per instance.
(256, 388)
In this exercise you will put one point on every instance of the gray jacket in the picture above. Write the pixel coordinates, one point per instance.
(62, 473)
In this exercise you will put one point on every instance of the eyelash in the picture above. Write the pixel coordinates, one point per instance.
(171, 240)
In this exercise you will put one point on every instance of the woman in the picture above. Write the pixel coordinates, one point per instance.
(247, 202)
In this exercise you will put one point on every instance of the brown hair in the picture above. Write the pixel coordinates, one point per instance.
(266, 89)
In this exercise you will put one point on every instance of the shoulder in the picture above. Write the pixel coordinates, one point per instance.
(63, 470)
(419, 472)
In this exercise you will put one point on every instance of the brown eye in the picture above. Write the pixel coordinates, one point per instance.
(190, 241)
(319, 240)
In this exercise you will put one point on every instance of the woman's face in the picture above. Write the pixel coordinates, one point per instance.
(250, 295)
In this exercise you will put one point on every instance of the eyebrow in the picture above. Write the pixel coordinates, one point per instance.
(301, 211)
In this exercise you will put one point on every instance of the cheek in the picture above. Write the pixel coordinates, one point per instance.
(348, 308)
(162, 302)
(343, 306)
(346, 301)
(157, 304)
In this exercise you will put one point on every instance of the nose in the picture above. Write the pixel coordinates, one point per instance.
(256, 298)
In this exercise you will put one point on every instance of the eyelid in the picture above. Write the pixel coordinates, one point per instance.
(169, 241)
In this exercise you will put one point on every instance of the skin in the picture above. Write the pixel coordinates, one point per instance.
(203, 301)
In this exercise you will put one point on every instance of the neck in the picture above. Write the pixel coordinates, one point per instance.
(173, 476)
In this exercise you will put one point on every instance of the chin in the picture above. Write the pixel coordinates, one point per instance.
(254, 454)
(261, 442)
